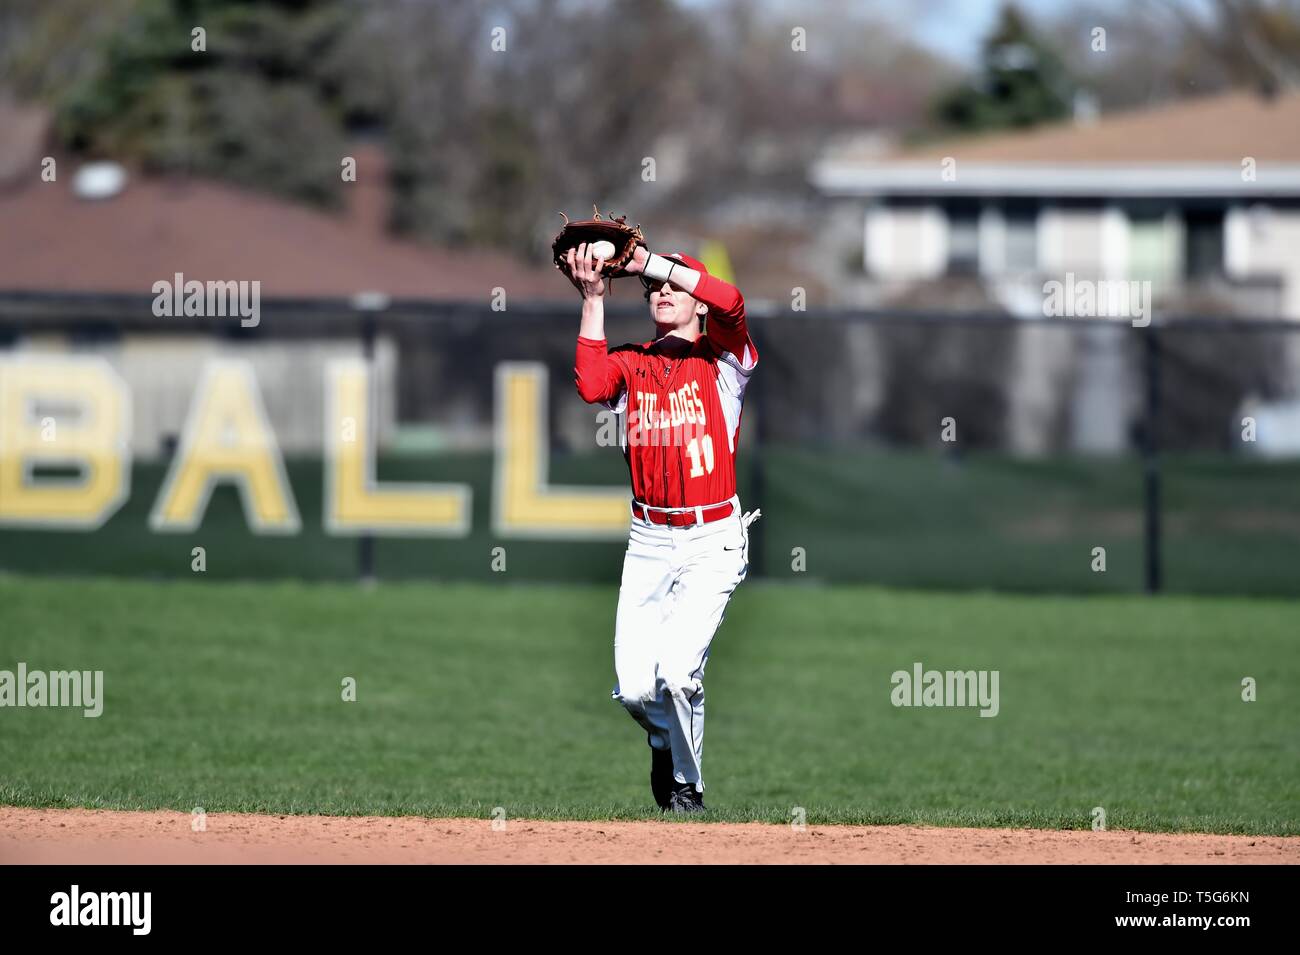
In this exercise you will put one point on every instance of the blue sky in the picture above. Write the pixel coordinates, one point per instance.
(951, 27)
(955, 27)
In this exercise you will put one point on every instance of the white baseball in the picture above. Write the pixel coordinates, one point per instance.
(602, 250)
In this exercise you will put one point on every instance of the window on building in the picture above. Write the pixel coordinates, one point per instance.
(1203, 239)
(1021, 253)
(963, 241)
(1152, 252)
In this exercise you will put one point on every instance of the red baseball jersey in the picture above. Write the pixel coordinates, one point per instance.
(680, 402)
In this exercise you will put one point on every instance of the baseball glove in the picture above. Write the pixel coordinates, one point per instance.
(623, 237)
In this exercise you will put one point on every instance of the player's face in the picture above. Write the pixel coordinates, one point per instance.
(672, 307)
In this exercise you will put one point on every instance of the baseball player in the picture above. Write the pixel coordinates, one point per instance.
(680, 397)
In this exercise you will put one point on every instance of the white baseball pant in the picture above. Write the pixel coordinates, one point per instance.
(676, 584)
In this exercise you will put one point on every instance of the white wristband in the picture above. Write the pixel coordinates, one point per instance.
(658, 267)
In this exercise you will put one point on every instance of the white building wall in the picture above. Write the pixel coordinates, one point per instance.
(1082, 241)
(1265, 241)
(906, 243)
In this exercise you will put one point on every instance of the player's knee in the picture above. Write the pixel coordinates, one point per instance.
(682, 686)
(635, 693)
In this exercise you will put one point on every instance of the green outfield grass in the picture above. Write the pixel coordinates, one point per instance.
(476, 695)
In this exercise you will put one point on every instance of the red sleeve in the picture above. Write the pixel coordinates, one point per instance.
(726, 327)
(598, 374)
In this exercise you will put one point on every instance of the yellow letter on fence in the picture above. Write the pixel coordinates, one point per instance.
(523, 504)
(36, 431)
(227, 438)
(355, 502)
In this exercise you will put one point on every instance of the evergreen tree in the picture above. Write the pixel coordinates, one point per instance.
(1021, 82)
(261, 104)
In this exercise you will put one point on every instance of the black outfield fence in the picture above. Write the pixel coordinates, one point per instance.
(922, 450)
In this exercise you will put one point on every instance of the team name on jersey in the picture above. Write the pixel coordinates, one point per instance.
(684, 407)
(683, 422)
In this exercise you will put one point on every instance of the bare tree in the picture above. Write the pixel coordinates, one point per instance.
(1159, 50)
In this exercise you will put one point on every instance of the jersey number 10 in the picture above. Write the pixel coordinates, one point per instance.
(693, 451)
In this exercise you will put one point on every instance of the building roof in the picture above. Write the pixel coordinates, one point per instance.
(1185, 148)
(54, 241)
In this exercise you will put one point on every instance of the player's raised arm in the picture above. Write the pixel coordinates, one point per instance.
(598, 376)
(726, 327)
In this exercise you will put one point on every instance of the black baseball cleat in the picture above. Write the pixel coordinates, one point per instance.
(661, 775)
(684, 798)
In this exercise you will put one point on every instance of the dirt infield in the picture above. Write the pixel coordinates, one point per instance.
(101, 836)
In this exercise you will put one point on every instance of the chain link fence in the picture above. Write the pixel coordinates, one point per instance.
(912, 450)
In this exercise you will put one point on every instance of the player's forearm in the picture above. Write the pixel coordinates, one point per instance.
(593, 318)
(727, 327)
(724, 299)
